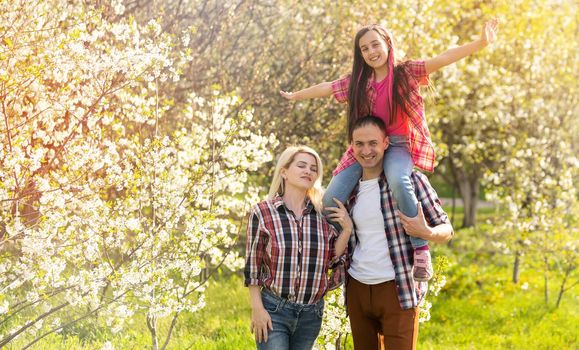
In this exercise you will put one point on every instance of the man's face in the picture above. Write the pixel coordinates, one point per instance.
(369, 143)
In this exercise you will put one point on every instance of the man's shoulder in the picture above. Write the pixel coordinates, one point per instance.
(420, 182)
(417, 175)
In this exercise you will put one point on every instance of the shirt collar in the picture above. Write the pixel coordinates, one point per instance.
(352, 199)
(278, 202)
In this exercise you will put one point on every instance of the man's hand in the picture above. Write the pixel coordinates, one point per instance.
(416, 226)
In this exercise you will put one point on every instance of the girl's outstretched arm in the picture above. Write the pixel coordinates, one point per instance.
(321, 90)
(488, 35)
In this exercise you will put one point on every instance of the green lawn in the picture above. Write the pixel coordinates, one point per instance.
(497, 315)
(479, 308)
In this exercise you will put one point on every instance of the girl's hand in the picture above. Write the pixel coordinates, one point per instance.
(489, 31)
(340, 215)
(288, 95)
(260, 323)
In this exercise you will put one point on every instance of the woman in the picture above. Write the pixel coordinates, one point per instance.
(290, 248)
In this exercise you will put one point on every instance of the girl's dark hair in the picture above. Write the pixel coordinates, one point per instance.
(358, 104)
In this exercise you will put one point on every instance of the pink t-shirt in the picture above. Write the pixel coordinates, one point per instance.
(381, 109)
(421, 147)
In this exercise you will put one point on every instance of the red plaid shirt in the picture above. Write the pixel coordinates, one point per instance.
(291, 258)
(421, 148)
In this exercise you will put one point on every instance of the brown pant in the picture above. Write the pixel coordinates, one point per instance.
(376, 318)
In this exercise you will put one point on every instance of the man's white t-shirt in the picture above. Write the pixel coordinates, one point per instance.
(371, 263)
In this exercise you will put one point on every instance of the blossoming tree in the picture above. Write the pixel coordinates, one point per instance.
(107, 211)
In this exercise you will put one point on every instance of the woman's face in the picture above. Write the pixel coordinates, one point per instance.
(374, 49)
(302, 173)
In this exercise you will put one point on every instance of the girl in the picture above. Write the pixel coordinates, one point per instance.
(290, 247)
(381, 86)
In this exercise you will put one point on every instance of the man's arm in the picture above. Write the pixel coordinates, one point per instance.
(418, 227)
(432, 222)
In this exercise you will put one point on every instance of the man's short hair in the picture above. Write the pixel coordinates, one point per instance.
(368, 120)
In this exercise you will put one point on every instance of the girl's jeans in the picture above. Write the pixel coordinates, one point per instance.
(397, 168)
(295, 326)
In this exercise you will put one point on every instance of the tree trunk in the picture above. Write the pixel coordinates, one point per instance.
(468, 186)
(452, 213)
(516, 268)
(173, 322)
(562, 289)
(152, 325)
(469, 191)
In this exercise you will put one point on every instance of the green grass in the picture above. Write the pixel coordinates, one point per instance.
(479, 308)
(512, 320)
(490, 314)
(224, 322)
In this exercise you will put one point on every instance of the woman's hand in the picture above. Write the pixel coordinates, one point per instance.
(341, 216)
(260, 323)
(489, 31)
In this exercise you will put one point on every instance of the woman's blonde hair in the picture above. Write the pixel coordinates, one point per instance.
(284, 161)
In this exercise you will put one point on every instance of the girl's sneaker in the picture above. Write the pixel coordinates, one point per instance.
(422, 271)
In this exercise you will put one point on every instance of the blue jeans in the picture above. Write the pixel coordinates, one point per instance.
(397, 168)
(295, 326)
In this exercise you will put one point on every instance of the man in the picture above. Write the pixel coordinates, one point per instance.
(381, 294)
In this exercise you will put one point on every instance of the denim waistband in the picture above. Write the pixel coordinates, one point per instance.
(285, 302)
